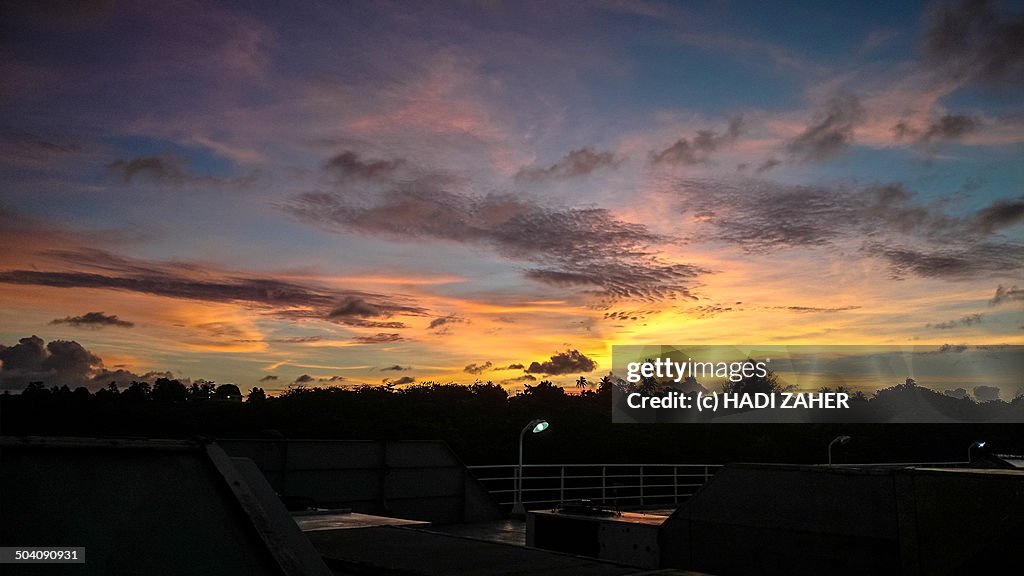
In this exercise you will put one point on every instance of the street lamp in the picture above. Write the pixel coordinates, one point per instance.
(536, 426)
(978, 444)
(839, 439)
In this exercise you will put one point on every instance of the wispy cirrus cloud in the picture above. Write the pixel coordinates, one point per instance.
(968, 320)
(92, 268)
(699, 148)
(947, 127)
(169, 170)
(586, 248)
(577, 163)
(831, 132)
(922, 238)
(1007, 294)
(818, 309)
(975, 41)
(964, 262)
(379, 338)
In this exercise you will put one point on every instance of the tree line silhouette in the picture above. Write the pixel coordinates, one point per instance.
(480, 421)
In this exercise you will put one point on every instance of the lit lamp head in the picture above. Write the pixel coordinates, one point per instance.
(978, 444)
(538, 426)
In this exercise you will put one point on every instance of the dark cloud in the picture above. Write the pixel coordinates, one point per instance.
(93, 320)
(444, 322)
(651, 279)
(332, 379)
(166, 169)
(986, 393)
(622, 315)
(573, 247)
(99, 269)
(768, 165)
(520, 379)
(959, 393)
(58, 363)
(390, 324)
(475, 368)
(831, 132)
(268, 378)
(358, 307)
(974, 41)
(224, 330)
(948, 127)
(911, 235)
(304, 379)
(761, 216)
(698, 150)
(1000, 214)
(576, 163)
(568, 362)
(815, 309)
(396, 368)
(968, 320)
(379, 338)
(515, 367)
(1004, 294)
(349, 164)
(29, 150)
(399, 381)
(951, 348)
(358, 311)
(297, 339)
(709, 310)
(212, 328)
(964, 262)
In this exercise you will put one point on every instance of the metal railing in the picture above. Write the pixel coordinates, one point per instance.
(619, 485)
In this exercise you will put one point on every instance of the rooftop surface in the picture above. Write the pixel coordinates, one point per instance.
(373, 551)
(363, 544)
(348, 520)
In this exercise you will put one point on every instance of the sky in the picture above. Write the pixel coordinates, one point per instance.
(348, 193)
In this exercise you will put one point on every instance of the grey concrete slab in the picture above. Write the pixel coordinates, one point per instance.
(505, 531)
(349, 520)
(407, 551)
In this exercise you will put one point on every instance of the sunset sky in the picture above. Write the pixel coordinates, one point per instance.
(338, 193)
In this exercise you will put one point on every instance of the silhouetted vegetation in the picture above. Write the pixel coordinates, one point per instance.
(481, 422)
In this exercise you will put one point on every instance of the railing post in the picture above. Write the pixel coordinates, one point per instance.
(604, 482)
(705, 473)
(641, 485)
(675, 485)
(561, 487)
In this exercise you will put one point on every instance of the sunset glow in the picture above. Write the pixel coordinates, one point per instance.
(366, 193)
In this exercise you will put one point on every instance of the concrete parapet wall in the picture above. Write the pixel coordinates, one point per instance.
(778, 519)
(407, 479)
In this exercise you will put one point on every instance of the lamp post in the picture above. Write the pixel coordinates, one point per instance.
(839, 439)
(978, 444)
(536, 426)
